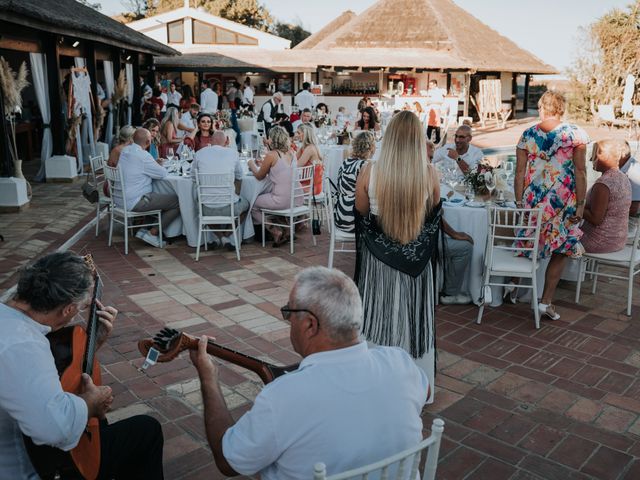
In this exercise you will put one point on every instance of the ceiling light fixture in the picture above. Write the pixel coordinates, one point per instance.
(76, 43)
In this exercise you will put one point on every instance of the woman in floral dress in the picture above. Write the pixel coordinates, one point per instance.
(551, 174)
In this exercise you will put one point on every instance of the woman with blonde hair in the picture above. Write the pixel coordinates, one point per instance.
(551, 174)
(124, 138)
(169, 131)
(397, 223)
(309, 152)
(278, 166)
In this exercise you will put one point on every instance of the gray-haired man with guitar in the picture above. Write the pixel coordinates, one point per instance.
(346, 405)
(49, 383)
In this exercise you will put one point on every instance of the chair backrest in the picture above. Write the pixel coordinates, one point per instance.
(301, 184)
(508, 225)
(116, 186)
(215, 189)
(405, 464)
(97, 168)
(606, 112)
(259, 127)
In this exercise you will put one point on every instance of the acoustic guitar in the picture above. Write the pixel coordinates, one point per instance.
(74, 352)
(169, 343)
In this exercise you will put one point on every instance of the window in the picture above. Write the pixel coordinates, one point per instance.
(175, 32)
(203, 33)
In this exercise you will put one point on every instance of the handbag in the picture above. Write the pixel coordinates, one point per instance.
(90, 191)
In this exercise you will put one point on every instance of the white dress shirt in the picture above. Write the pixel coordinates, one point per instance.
(346, 408)
(32, 401)
(632, 170)
(174, 98)
(471, 158)
(247, 93)
(138, 169)
(209, 101)
(217, 159)
(305, 99)
(188, 121)
(164, 98)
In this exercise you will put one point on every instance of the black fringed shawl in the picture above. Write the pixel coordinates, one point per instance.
(396, 283)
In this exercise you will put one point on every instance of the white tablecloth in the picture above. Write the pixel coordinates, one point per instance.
(250, 189)
(187, 223)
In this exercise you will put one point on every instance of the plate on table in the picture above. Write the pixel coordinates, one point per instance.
(455, 201)
(475, 204)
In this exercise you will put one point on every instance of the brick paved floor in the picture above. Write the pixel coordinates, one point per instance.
(560, 402)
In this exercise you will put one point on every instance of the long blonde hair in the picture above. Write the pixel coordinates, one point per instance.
(309, 138)
(404, 182)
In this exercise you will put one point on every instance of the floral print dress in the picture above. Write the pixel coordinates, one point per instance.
(550, 183)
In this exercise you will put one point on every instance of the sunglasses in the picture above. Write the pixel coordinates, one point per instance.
(286, 311)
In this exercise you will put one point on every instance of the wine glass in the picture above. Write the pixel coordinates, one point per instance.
(170, 154)
(490, 183)
(508, 168)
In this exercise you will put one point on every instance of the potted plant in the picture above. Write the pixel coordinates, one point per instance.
(12, 85)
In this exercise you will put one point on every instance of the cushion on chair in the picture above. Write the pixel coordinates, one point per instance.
(621, 256)
(504, 261)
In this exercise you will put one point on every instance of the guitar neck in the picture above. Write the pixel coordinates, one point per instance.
(92, 327)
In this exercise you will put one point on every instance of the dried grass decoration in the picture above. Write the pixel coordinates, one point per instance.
(12, 85)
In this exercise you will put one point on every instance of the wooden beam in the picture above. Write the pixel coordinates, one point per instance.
(514, 94)
(525, 103)
(53, 76)
(136, 117)
(20, 45)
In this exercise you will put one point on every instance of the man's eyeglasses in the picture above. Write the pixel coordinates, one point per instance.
(286, 311)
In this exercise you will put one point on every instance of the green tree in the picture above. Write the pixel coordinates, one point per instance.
(609, 51)
(294, 32)
(95, 6)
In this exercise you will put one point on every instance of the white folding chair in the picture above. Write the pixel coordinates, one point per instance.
(97, 172)
(299, 194)
(500, 259)
(628, 259)
(335, 234)
(117, 191)
(217, 188)
(405, 463)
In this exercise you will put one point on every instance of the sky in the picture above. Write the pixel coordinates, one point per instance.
(547, 28)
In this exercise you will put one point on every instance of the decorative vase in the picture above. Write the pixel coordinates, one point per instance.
(17, 172)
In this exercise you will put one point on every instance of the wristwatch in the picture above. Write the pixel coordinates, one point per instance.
(459, 159)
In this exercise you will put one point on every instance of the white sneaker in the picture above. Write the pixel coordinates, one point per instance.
(141, 232)
(150, 239)
(463, 299)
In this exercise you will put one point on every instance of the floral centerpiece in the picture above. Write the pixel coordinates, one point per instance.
(477, 178)
(222, 120)
(244, 112)
(12, 85)
(322, 119)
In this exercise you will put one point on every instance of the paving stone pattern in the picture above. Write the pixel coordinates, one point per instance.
(562, 402)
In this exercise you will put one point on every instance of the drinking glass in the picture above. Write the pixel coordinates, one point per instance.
(469, 193)
(490, 183)
(170, 154)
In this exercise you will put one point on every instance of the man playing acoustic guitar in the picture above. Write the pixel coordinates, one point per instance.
(346, 405)
(51, 292)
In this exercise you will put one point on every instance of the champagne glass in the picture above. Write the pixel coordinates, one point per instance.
(170, 154)
(490, 183)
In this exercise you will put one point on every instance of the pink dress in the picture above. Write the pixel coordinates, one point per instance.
(280, 195)
(611, 234)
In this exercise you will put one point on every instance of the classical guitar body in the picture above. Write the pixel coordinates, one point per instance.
(68, 349)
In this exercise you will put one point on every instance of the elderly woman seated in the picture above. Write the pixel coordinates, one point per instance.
(608, 201)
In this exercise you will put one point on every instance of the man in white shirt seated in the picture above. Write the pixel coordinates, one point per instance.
(209, 99)
(631, 167)
(465, 155)
(139, 169)
(219, 158)
(305, 99)
(188, 121)
(305, 117)
(347, 404)
(51, 292)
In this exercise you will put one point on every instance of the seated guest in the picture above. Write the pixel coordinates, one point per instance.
(203, 135)
(188, 121)
(362, 149)
(305, 118)
(631, 168)
(368, 120)
(276, 164)
(336, 407)
(465, 155)
(139, 169)
(169, 138)
(342, 119)
(219, 158)
(458, 247)
(309, 151)
(153, 126)
(124, 138)
(606, 211)
(51, 292)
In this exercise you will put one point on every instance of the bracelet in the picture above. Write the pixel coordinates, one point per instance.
(580, 203)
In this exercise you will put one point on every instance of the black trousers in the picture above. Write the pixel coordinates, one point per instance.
(431, 129)
(131, 449)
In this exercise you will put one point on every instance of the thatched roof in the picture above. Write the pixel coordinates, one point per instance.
(68, 17)
(427, 28)
(313, 40)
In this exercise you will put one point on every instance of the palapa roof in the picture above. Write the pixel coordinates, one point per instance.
(313, 40)
(68, 17)
(423, 29)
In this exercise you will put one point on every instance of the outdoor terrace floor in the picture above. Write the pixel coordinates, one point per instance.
(562, 402)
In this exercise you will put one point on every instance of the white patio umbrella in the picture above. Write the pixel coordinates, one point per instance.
(629, 86)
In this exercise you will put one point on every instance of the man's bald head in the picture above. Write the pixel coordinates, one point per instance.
(219, 138)
(465, 129)
(142, 137)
